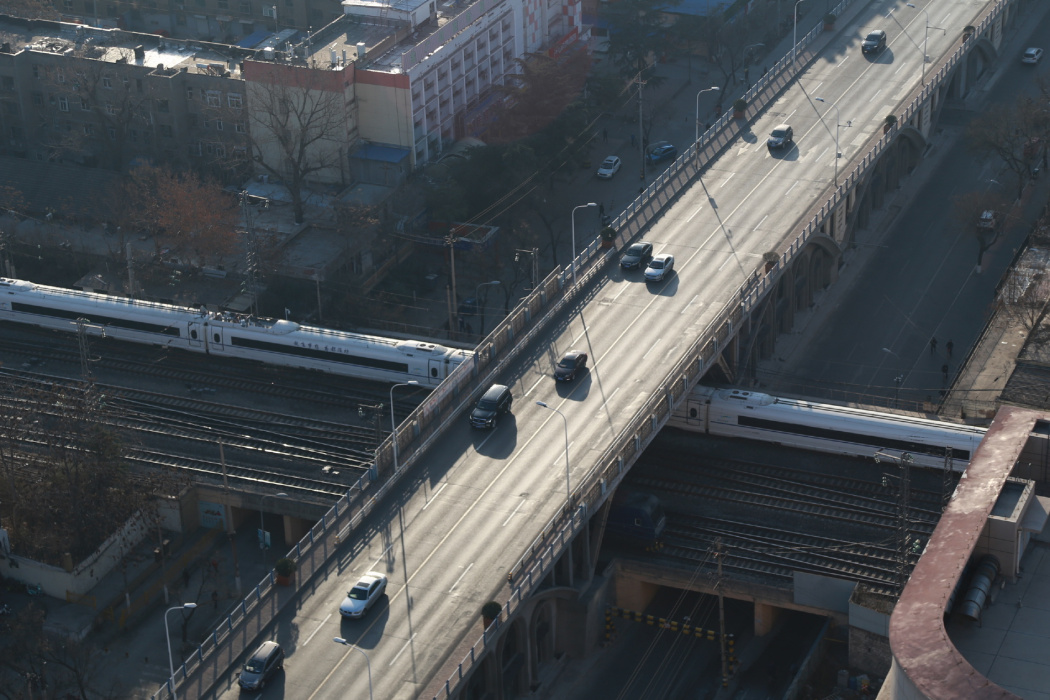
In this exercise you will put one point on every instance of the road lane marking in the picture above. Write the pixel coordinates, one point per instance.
(605, 404)
(561, 458)
(433, 496)
(513, 513)
(873, 97)
(698, 210)
(646, 355)
(469, 567)
(317, 629)
(902, 67)
(398, 654)
(689, 306)
(726, 180)
(791, 188)
(759, 225)
(529, 391)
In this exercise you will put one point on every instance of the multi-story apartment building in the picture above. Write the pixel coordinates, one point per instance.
(399, 83)
(100, 98)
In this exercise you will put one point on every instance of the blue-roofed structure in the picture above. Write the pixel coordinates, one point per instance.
(700, 8)
(377, 164)
(253, 39)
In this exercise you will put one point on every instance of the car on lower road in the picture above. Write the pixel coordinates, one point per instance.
(659, 267)
(609, 167)
(874, 42)
(571, 363)
(661, 151)
(363, 595)
(781, 137)
(1031, 55)
(637, 256)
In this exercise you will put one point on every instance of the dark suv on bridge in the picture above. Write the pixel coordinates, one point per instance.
(493, 403)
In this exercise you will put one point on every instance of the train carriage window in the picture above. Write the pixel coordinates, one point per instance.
(433, 371)
(193, 334)
(218, 338)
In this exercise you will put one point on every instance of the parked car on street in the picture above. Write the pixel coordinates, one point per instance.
(661, 151)
(609, 167)
(1032, 55)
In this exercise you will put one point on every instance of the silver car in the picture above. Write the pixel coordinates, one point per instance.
(659, 267)
(363, 595)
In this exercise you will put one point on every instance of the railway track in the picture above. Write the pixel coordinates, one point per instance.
(844, 526)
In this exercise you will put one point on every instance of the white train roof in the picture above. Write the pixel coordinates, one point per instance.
(73, 298)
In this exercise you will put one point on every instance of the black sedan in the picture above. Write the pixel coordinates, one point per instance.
(637, 256)
(570, 363)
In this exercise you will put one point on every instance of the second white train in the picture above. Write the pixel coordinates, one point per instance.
(825, 427)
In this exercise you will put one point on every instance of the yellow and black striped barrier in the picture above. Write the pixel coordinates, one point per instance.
(673, 625)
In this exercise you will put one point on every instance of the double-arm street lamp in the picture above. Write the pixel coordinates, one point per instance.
(573, 263)
(167, 638)
(926, 36)
(340, 640)
(838, 121)
(393, 421)
(568, 490)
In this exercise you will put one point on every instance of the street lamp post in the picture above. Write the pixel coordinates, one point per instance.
(262, 526)
(925, 38)
(340, 640)
(481, 309)
(167, 638)
(838, 120)
(393, 421)
(573, 217)
(696, 140)
(794, 36)
(568, 490)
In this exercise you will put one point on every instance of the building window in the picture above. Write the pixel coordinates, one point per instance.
(68, 4)
(245, 7)
(38, 99)
(63, 104)
(189, 93)
(207, 123)
(234, 100)
(110, 109)
(194, 149)
(89, 130)
(60, 77)
(36, 70)
(239, 128)
(218, 125)
(133, 134)
(162, 106)
(112, 131)
(213, 98)
(107, 82)
(84, 106)
(223, 4)
(165, 131)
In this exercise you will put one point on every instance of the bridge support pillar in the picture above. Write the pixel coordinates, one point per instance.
(766, 617)
(633, 594)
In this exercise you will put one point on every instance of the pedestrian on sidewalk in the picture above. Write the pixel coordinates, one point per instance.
(601, 216)
(944, 370)
(933, 345)
(949, 346)
(632, 140)
(605, 136)
(718, 107)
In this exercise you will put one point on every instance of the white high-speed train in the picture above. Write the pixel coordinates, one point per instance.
(824, 427)
(229, 335)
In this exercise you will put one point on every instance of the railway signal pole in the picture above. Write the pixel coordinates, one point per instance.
(719, 585)
(903, 548)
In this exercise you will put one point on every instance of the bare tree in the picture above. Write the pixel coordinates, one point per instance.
(298, 125)
(969, 210)
(1013, 135)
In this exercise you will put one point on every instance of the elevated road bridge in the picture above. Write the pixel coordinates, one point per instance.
(457, 518)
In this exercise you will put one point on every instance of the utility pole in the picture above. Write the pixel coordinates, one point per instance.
(641, 130)
(252, 253)
(453, 308)
(719, 585)
(903, 507)
(230, 532)
(131, 270)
